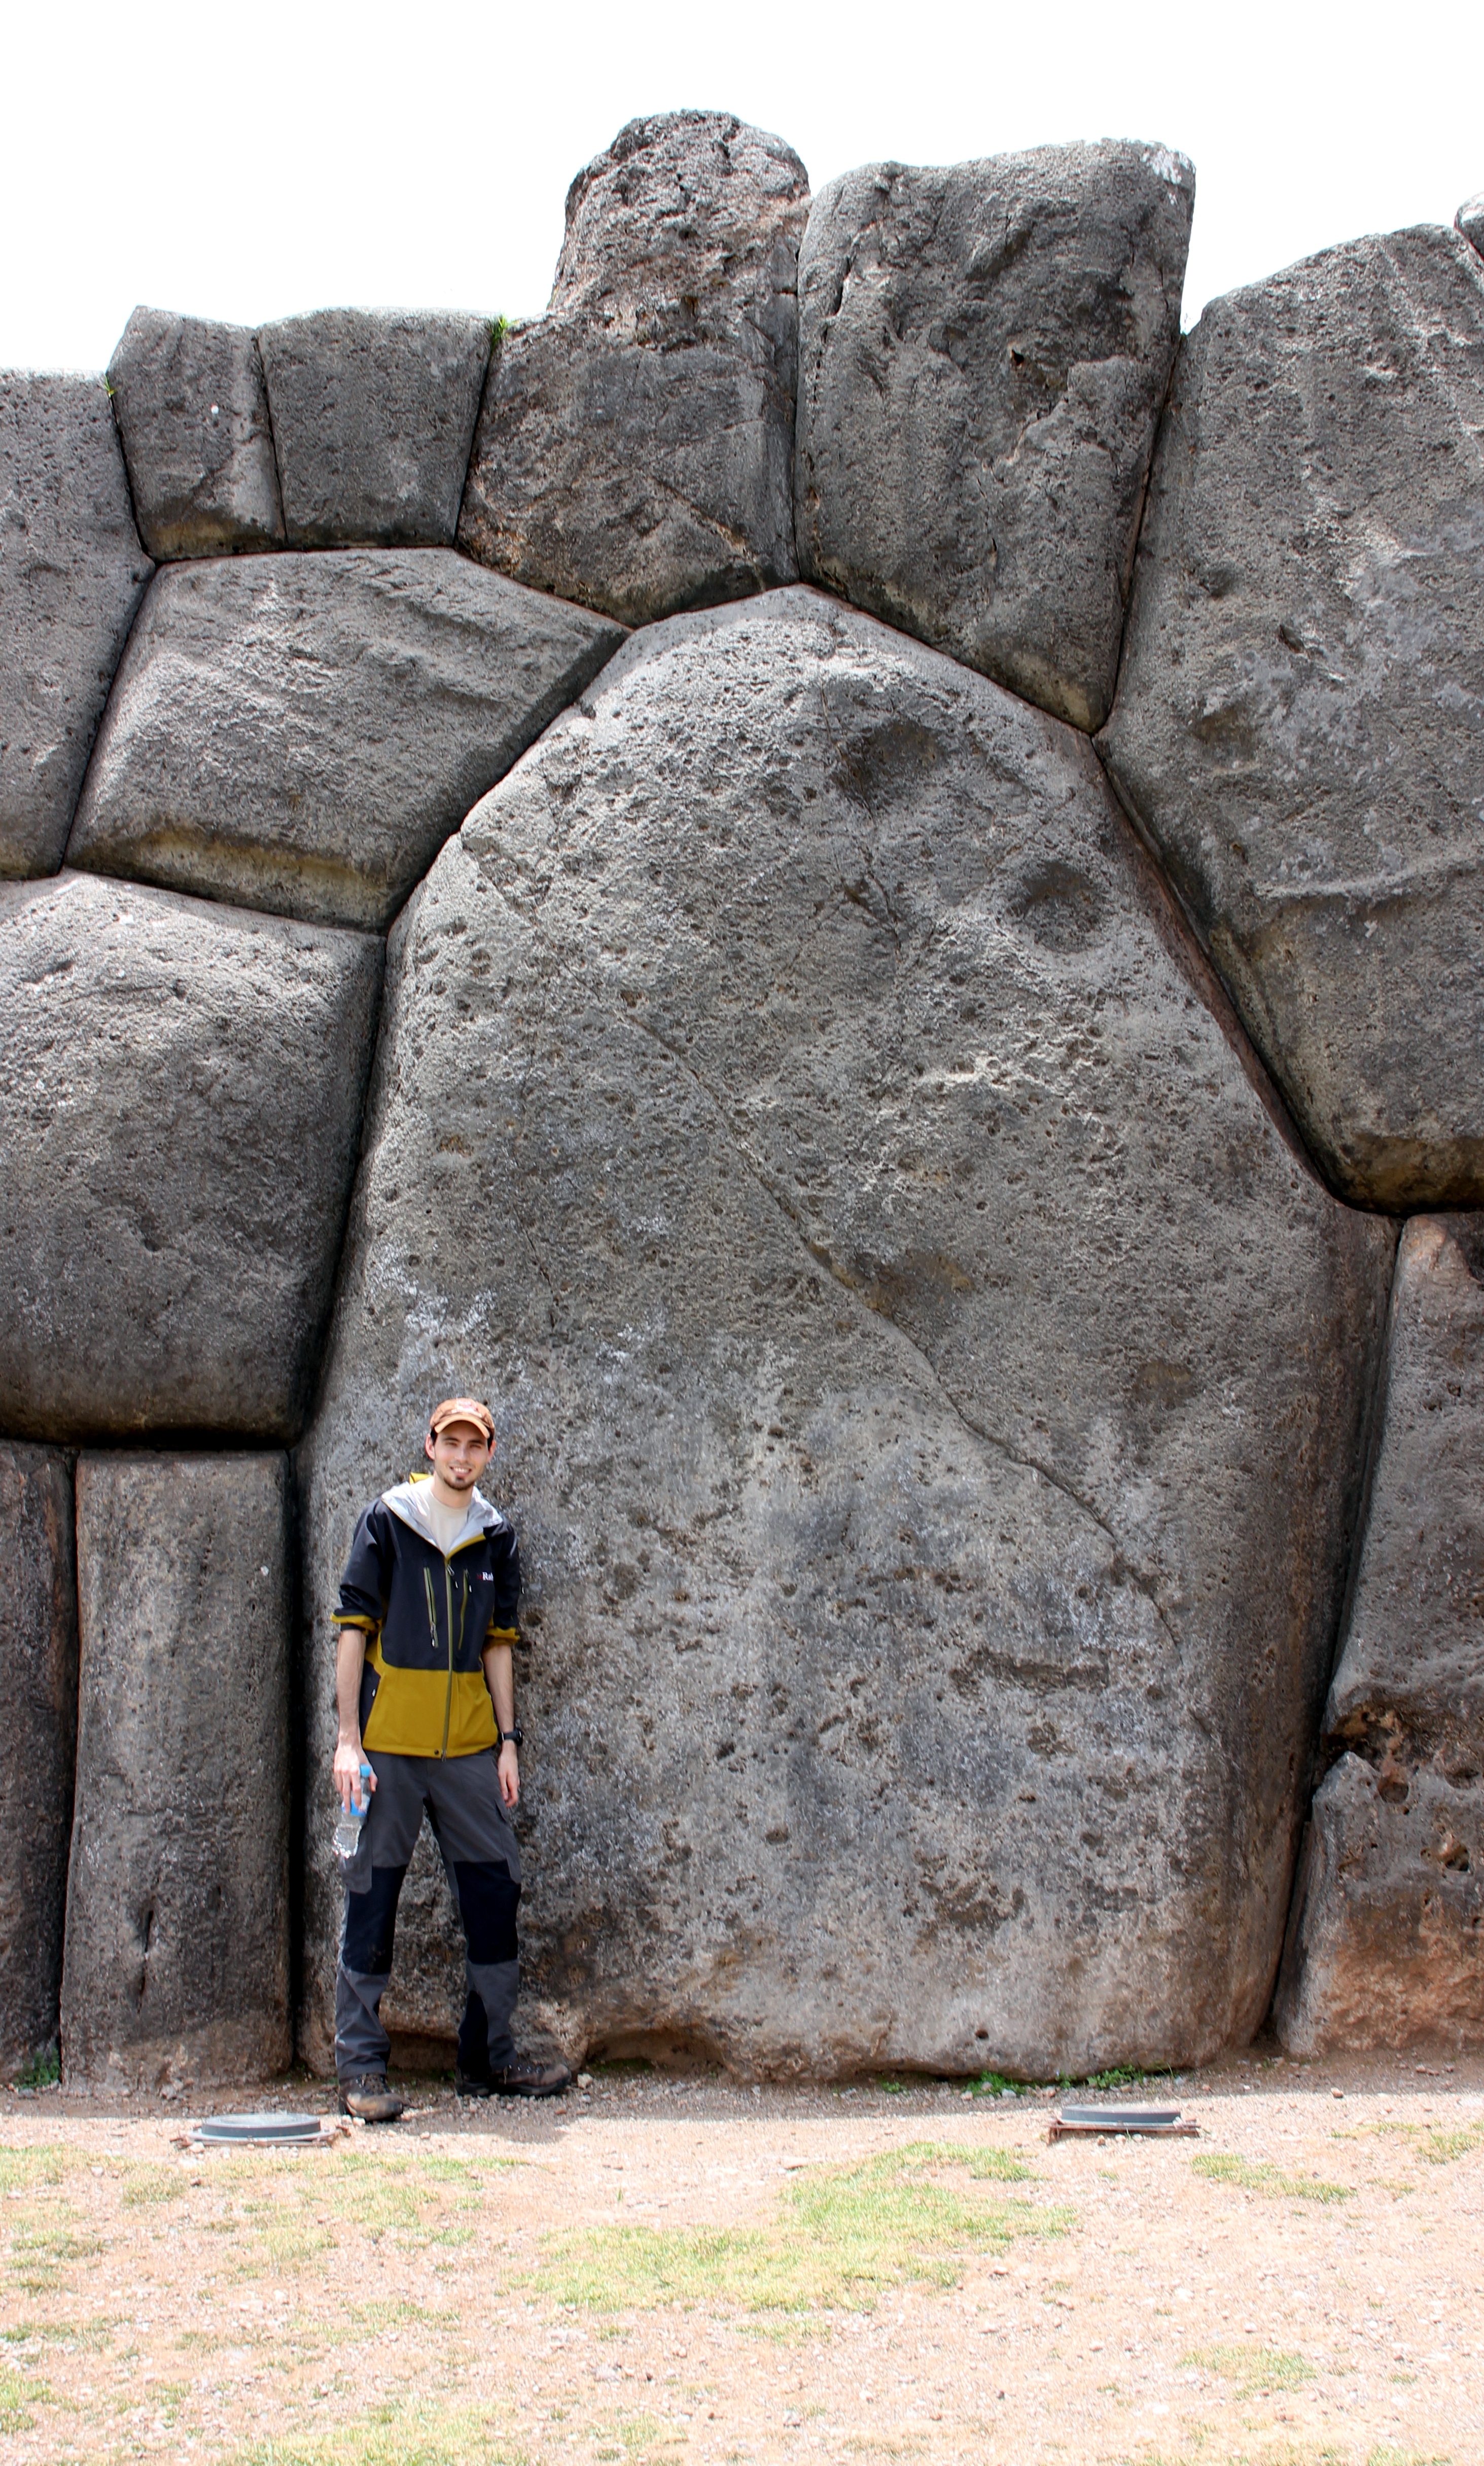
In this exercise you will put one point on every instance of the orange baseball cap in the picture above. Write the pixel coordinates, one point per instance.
(463, 1408)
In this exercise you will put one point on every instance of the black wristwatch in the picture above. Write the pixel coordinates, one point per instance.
(512, 1737)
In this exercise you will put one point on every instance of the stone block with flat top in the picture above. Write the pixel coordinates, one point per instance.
(300, 733)
(374, 412)
(38, 1687)
(177, 1901)
(192, 411)
(984, 353)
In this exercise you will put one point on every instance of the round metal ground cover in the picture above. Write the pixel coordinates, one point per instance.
(278, 2129)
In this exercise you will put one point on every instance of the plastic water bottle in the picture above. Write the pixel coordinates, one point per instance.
(347, 1827)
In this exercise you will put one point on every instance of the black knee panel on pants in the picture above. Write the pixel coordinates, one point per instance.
(487, 1902)
(370, 1923)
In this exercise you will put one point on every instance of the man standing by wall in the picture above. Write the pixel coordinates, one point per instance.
(426, 1694)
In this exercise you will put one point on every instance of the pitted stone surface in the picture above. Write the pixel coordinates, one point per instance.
(180, 1102)
(72, 570)
(1388, 1947)
(630, 479)
(38, 1686)
(1411, 1670)
(373, 412)
(300, 733)
(984, 353)
(931, 1391)
(635, 447)
(687, 214)
(192, 411)
(1300, 715)
(177, 1907)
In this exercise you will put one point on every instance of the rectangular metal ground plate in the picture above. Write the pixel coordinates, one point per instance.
(1155, 2122)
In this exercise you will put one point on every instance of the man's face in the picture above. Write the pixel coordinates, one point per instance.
(459, 1454)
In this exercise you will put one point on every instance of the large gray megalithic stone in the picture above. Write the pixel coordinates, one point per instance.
(300, 733)
(1299, 723)
(72, 570)
(984, 353)
(177, 1904)
(635, 447)
(1386, 1945)
(38, 1687)
(373, 412)
(931, 1391)
(180, 1103)
(192, 411)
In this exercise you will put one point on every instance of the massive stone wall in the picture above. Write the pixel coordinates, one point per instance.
(902, 1085)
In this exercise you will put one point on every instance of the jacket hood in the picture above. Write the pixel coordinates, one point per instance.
(407, 1500)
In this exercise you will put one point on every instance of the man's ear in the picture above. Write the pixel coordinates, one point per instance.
(427, 1448)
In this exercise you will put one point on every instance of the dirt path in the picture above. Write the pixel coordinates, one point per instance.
(693, 2272)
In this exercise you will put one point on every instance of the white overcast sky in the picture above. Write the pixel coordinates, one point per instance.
(248, 162)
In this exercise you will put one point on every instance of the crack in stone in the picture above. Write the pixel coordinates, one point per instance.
(734, 540)
(1121, 1566)
(820, 1258)
(783, 967)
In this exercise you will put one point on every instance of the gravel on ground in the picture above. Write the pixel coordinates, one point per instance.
(687, 2270)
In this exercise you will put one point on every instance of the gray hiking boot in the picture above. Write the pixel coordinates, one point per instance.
(525, 2079)
(367, 2097)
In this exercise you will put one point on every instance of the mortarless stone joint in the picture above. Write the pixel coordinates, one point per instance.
(846, 873)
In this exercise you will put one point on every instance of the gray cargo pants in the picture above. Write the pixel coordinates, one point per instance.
(461, 1795)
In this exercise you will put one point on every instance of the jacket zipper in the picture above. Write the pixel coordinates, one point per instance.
(449, 1602)
(463, 1611)
(448, 1700)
